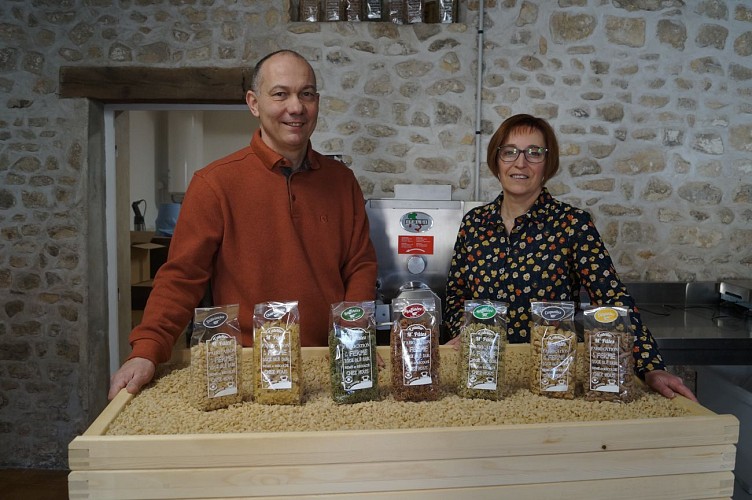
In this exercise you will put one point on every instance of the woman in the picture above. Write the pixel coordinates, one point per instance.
(525, 245)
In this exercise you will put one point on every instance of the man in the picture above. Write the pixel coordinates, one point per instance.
(275, 221)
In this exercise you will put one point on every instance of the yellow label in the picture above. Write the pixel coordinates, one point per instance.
(606, 315)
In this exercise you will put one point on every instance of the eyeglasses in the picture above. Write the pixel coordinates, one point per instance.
(533, 154)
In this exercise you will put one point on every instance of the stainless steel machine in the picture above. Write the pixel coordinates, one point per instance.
(414, 235)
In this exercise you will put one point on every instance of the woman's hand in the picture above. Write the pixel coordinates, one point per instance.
(454, 342)
(667, 384)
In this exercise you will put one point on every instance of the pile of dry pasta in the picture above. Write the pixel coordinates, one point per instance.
(164, 406)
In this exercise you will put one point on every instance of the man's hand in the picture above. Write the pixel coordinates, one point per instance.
(667, 384)
(133, 375)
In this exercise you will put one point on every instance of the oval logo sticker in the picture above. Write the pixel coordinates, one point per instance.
(484, 312)
(215, 320)
(553, 313)
(413, 311)
(606, 315)
(352, 313)
(416, 222)
(274, 313)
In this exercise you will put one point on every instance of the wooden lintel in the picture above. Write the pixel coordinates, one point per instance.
(140, 84)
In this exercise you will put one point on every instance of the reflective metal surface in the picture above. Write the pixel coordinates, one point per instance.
(692, 325)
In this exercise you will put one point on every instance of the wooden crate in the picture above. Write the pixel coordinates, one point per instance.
(666, 458)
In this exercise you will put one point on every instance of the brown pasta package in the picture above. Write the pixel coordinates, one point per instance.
(482, 342)
(277, 362)
(553, 342)
(216, 358)
(608, 349)
(414, 347)
(352, 352)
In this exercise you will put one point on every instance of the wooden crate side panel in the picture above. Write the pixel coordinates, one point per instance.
(703, 486)
(324, 479)
(256, 449)
(112, 410)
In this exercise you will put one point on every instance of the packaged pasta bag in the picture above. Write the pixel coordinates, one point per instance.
(277, 362)
(352, 352)
(216, 358)
(553, 344)
(483, 337)
(415, 349)
(608, 349)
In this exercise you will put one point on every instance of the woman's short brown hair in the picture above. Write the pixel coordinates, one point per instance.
(525, 122)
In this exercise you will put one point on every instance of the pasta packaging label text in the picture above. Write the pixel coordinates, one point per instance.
(276, 363)
(222, 366)
(416, 354)
(483, 359)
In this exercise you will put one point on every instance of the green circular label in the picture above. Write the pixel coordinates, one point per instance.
(484, 312)
(352, 313)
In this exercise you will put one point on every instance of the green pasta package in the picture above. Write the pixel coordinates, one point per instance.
(277, 359)
(608, 349)
(216, 358)
(414, 347)
(352, 352)
(482, 342)
(553, 345)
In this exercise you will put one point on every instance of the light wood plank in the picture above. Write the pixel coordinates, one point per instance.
(413, 483)
(100, 424)
(191, 450)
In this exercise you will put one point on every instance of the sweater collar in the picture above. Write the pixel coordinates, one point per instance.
(271, 159)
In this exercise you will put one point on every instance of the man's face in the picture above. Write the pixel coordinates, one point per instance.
(286, 103)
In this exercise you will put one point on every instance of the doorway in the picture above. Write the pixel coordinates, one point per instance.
(146, 172)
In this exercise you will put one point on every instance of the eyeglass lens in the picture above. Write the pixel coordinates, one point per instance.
(533, 154)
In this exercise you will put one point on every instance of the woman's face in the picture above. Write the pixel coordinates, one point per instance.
(520, 178)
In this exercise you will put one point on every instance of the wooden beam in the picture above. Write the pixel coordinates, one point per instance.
(129, 84)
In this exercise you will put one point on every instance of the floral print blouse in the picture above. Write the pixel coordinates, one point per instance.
(553, 251)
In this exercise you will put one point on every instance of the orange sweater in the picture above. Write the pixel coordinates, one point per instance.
(261, 236)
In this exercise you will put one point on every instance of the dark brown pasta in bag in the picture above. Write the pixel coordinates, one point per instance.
(415, 350)
(608, 349)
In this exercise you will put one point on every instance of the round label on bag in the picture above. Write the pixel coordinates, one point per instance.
(484, 312)
(352, 313)
(606, 315)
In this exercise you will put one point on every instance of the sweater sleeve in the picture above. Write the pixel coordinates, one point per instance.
(181, 282)
(598, 276)
(359, 269)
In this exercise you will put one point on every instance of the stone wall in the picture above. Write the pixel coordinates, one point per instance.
(652, 101)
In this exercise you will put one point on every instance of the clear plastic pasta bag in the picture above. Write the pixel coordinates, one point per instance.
(553, 344)
(216, 358)
(414, 347)
(483, 337)
(277, 361)
(352, 352)
(609, 361)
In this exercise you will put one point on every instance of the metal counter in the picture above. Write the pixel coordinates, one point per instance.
(692, 325)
